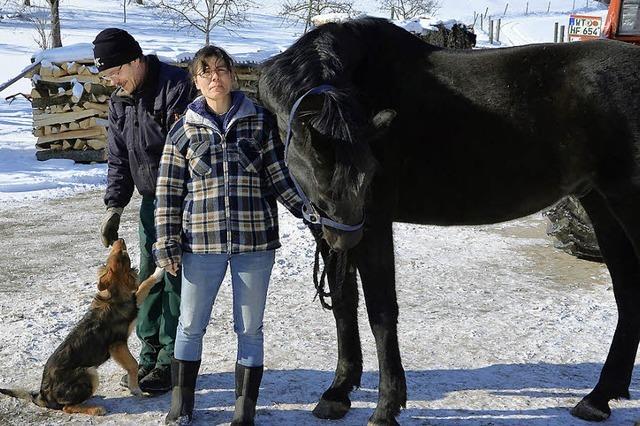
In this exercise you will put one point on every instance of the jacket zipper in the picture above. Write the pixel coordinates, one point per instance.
(227, 198)
(225, 177)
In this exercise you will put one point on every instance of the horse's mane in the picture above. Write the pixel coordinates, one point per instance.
(331, 54)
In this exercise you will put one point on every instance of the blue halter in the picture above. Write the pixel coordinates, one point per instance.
(309, 212)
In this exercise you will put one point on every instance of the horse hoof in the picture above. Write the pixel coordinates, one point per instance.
(331, 410)
(391, 422)
(587, 411)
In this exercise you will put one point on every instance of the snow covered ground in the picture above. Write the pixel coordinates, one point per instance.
(496, 327)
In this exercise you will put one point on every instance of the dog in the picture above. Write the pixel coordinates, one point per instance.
(70, 375)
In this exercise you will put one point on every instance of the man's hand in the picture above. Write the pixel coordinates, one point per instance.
(109, 226)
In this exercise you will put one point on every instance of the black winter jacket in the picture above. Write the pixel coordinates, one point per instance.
(138, 127)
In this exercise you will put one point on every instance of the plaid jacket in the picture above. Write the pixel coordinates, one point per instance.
(216, 191)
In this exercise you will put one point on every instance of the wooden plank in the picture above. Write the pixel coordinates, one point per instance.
(43, 102)
(72, 67)
(96, 106)
(22, 73)
(98, 89)
(79, 144)
(66, 117)
(96, 143)
(74, 134)
(87, 156)
(35, 94)
(68, 78)
(58, 72)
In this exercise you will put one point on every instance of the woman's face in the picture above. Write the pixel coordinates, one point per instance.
(214, 80)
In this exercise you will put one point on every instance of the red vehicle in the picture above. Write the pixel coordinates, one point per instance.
(623, 21)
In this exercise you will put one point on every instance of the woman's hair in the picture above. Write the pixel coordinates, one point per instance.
(199, 62)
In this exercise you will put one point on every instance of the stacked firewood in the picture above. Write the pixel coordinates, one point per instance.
(70, 104)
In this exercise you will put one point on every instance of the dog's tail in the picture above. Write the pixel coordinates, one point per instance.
(25, 394)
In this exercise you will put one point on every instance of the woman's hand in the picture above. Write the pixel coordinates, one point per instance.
(172, 269)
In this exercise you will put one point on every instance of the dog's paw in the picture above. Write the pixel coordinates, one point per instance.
(97, 411)
(158, 275)
(136, 391)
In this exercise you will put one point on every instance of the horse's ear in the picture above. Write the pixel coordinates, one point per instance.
(383, 119)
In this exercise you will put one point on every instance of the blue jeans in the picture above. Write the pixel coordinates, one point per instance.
(202, 275)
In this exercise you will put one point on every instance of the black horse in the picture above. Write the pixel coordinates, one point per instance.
(412, 133)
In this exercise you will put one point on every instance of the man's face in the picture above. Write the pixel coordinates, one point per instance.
(128, 76)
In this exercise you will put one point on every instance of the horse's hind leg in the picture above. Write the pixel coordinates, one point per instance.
(335, 401)
(616, 221)
(377, 270)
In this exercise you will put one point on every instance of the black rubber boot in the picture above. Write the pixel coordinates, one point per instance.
(183, 380)
(247, 388)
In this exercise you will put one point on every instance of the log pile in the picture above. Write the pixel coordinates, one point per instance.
(70, 104)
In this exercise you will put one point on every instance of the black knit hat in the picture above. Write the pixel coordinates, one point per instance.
(113, 47)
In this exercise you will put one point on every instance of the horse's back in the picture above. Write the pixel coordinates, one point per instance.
(494, 135)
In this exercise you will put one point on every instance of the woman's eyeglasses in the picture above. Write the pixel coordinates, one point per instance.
(209, 73)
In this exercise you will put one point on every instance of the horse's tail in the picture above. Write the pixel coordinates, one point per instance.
(25, 394)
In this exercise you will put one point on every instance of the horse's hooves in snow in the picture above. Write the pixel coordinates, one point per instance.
(331, 410)
(391, 422)
(586, 411)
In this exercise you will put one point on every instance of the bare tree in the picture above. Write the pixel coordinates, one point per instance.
(304, 10)
(41, 23)
(406, 9)
(45, 20)
(56, 39)
(204, 15)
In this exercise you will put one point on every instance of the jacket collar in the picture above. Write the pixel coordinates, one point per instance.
(198, 114)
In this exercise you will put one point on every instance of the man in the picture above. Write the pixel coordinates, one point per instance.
(151, 95)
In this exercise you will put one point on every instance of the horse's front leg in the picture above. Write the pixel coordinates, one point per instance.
(335, 401)
(375, 262)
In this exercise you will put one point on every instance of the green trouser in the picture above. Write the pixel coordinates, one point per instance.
(158, 315)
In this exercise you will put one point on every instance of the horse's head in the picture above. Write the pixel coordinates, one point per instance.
(329, 153)
(330, 158)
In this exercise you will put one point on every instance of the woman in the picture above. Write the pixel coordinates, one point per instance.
(220, 174)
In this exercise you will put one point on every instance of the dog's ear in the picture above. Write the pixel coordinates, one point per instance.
(104, 278)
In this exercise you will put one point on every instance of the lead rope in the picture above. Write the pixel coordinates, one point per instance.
(337, 262)
(321, 283)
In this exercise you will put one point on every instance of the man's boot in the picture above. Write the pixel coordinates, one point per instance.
(247, 387)
(183, 380)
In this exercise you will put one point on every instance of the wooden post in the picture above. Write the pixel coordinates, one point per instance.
(555, 32)
(498, 30)
(506, 6)
(481, 22)
(490, 31)
(526, 10)
(561, 33)
(549, 7)
(574, 6)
